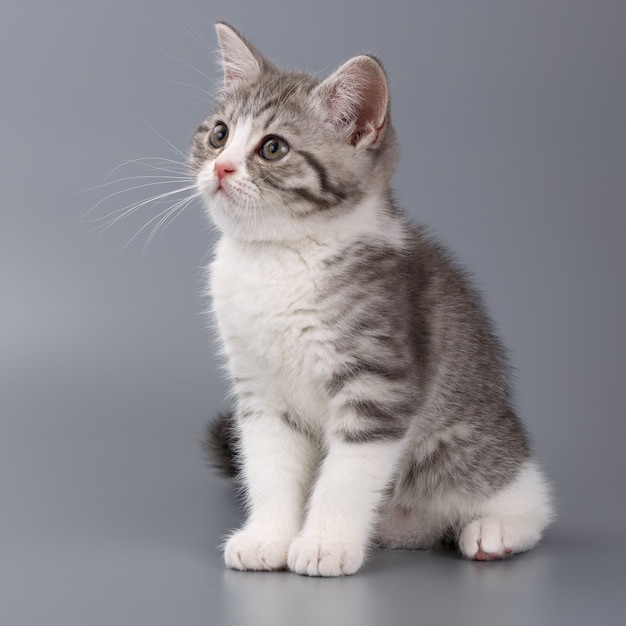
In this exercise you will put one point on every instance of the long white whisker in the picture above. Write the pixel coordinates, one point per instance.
(192, 98)
(179, 176)
(166, 212)
(205, 91)
(130, 208)
(175, 210)
(200, 40)
(183, 171)
(189, 65)
(146, 162)
(180, 209)
(120, 191)
(169, 143)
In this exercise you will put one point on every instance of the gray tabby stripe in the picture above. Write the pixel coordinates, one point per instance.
(353, 371)
(373, 434)
(322, 175)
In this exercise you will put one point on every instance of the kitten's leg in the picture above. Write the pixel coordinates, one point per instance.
(342, 509)
(278, 465)
(511, 521)
(400, 528)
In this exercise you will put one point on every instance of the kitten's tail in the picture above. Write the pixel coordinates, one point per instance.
(220, 444)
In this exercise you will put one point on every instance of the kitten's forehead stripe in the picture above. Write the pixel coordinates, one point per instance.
(275, 92)
(270, 105)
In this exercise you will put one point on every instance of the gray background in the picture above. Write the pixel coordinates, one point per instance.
(511, 119)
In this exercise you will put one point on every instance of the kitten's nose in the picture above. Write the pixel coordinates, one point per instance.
(223, 167)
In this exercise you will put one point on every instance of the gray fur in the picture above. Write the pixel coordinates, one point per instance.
(410, 318)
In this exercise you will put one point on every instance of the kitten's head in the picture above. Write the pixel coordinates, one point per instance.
(284, 154)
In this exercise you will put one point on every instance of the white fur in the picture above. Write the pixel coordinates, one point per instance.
(264, 301)
(278, 352)
(236, 146)
(342, 508)
(509, 521)
(512, 520)
(278, 471)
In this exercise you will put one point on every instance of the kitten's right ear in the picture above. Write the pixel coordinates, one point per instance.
(239, 59)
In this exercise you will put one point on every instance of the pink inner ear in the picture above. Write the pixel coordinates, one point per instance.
(372, 111)
(355, 98)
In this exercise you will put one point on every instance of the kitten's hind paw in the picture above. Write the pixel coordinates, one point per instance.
(491, 538)
(250, 550)
(315, 556)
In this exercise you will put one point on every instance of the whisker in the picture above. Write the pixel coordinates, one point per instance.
(175, 210)
(193, 98)
(145, 161)
(130, 208)
(189, 65)
(267, 189)
(141, 176)
(183, 171)
(169, 143)
(165, 212)
(200, 40)
(208, 93)
(148, 200)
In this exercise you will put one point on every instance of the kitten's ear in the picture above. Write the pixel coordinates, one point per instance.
(355, 100)
(239, 59)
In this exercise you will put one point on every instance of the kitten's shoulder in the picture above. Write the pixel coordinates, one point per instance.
(399, 241)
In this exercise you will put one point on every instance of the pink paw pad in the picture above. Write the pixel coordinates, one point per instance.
(490, 556)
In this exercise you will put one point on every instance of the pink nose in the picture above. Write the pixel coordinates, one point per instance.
(223, 167)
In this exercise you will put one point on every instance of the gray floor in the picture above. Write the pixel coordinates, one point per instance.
(511, 119)
(113, 519)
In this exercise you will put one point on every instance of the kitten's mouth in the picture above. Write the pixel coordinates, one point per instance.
(219, 187)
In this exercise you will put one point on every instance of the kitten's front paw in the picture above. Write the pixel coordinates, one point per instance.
(248, 549)
(315, 556)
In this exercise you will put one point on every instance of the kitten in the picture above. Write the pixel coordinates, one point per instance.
(372, 397)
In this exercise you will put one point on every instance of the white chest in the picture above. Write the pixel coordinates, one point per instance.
(267, 306)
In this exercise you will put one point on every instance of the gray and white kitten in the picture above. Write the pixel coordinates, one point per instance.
(372, 398)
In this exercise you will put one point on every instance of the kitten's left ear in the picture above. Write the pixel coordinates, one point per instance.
(239, 59)
(355, 100)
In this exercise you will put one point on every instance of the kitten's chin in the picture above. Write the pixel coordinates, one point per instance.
(256, 221)
(236, 221)
(234, 218)
(219, 212)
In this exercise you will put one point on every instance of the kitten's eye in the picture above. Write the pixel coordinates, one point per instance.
(218, 136)
(273, 148)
